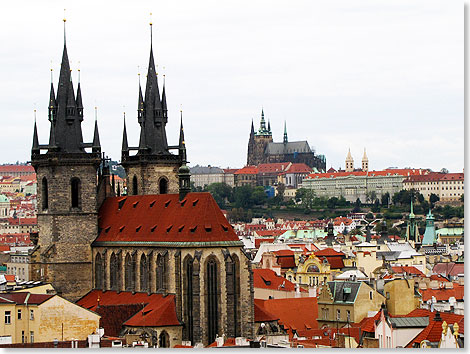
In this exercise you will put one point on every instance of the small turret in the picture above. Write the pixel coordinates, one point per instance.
(285, 134)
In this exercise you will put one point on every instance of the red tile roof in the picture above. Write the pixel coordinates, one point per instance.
(335, 262)
(329, 252)
(23, 221)
(408, 270)
(298, 168)
(270, 168)
(20, 298)
(443, 294)
(392, 172)
(286, 262)
(367, 323)
(295, 313)
(158, 310)
(450, 268)
(247, 170)
(163, 218)
(450, 318)
(261, 314)
(268, 279)
(433, 332)
(230, 170)
(259, 241)
(16, 168)
(284, 253)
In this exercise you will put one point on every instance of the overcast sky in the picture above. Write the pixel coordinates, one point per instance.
(382, 75)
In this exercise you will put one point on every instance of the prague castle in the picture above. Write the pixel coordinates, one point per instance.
(157, 239)
(262, 149)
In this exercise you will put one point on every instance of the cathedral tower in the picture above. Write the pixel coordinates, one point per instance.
(349, 162)
(67, 183)
(365, 162)
(153, 169)
(258, 142)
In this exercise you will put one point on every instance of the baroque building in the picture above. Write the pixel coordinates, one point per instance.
(159, 238)
(262, 149)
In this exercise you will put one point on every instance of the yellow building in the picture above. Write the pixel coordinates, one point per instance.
(29, 318)
(343, 302)
(400, 296)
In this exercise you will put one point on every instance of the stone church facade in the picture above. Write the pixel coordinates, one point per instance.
(159, 238)
(262, 149)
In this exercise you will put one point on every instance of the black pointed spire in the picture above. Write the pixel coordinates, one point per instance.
(52, 106)
(125, 146)
(182, 144)
(252, 128)
(140, 105)
(79, 103)
(96, 136)
(285, 133)
(164, 106)
(35, 148)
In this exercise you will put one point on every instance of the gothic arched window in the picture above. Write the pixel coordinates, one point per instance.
(232, 282)
(75, 192)
(113, 274)
(135, 190)
(130, 273)
(164, 340)
(44, 194)
(161, 273)
(188, 297)
(163, 185)
(144, 284)
(212, 301)
(98, 272)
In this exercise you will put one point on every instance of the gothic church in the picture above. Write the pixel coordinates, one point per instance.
(262, 149)
(159, 238)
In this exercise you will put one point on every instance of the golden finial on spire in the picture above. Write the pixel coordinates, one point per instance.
(78, 72)
(150, 19)
(64, 16)
(52, 79)
(96, 113)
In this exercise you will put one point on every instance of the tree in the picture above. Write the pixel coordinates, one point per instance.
(280, 190)
(444, 170)
(306, 196)
(221, 192)
(461, 198)
(385, 199)
(332, 203)
(242, 196)
(376, 207)
(357, 206)
(259, 196)
(433, 198)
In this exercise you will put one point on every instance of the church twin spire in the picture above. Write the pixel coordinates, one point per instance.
(65, 113)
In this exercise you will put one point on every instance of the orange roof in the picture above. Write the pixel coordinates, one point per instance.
(23, 221)
(164, 218)
(247, 170)
(329, 252)
(443, 294)
(276, 167)
(392, 172)
(284, 253)
(433, 331)
(158, 310)
(408, 270)
(261, 314)
(298, 168)
(268, 279)
(450, 318)
(259, 241)
(294, 313)
(367, 323)
(16, 168)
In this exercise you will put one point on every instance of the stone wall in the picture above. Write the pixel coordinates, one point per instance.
(149, 176)
(176, 259)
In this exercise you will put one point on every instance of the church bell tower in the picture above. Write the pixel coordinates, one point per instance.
(153, 169)
(67, 183)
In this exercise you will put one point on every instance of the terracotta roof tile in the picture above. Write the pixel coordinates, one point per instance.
(247, 170)
(328, 252)
(119, 218)
(268, 279)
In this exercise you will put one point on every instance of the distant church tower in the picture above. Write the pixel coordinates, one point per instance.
(349, 162)
(365, 162)
(67, 184)
(258, 142)
(412, 233)
(153, 169)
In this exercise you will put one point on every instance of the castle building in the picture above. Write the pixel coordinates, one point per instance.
(157, 239)
(262, 149)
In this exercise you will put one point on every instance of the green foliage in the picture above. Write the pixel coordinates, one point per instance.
(433, 198)
(376, 206)
(357, 206)
(221, 192)
(385, 199)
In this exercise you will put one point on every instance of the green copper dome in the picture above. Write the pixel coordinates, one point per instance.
(4, 199)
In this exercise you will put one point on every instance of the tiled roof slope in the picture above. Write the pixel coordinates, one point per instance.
(163, 218)
(157, 310)
(268, 279)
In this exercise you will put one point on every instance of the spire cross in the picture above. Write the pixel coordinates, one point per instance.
(151, 30)
(65, 20)
(35, 115)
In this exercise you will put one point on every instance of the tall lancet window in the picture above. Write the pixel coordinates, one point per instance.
(161, 273)
(98, 272)
(130, 273)
(44, 194)
(75, 192)
(212, 301)
(135, 190)
(114, 273)
(163, 184)
(144, 274)
(188, 299)
(232, 283)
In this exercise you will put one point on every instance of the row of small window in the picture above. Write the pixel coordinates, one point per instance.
(75, 193)
(326, 314)
(8, 316)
